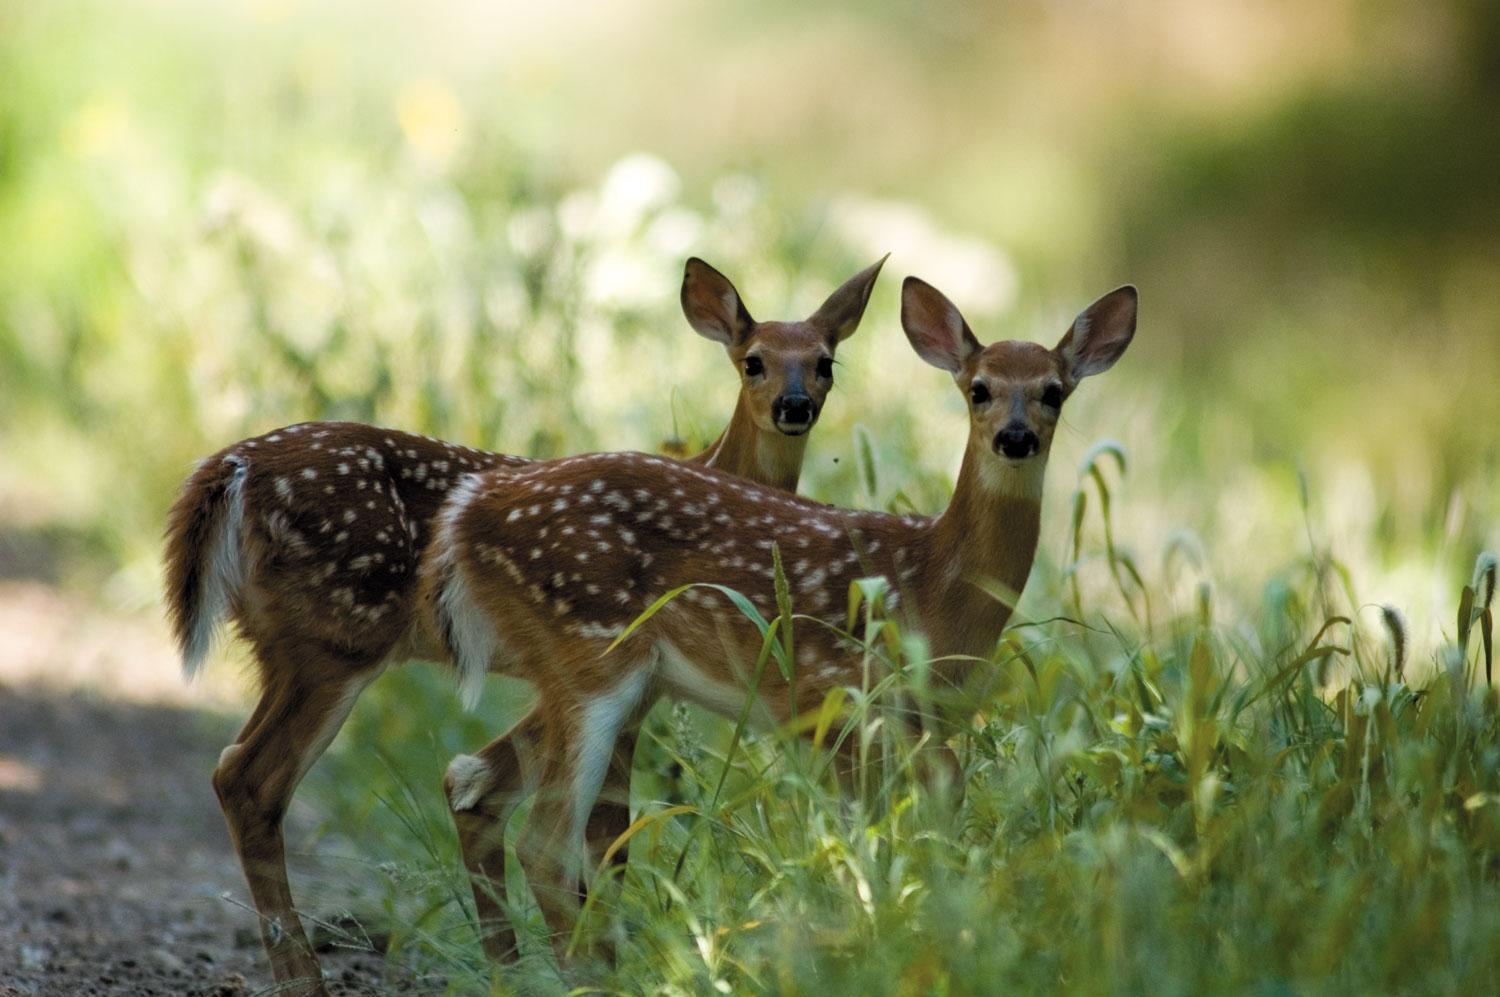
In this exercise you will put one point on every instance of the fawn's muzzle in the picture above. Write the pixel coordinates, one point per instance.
(794, 413)
(1016, 442)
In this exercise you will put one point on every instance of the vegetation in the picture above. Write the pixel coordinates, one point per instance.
(1243, 734)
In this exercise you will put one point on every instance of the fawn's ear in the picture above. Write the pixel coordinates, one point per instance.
(937, 331)
(712, 305)
(839, 316)
(1099, 334)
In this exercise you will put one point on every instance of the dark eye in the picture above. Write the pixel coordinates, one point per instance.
(978, 393)
(753, 367)
(1053, 396)
(825, 366)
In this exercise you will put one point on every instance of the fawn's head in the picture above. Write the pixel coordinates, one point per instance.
(1015, 389)
(786, 368)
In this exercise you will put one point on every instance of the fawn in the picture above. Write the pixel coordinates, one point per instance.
(309, 539)
(549, 597)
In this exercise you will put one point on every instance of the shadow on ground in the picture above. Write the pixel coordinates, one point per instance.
(116, 874)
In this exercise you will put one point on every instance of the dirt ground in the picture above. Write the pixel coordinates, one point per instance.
(116, 874)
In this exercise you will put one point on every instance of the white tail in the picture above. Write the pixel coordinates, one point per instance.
(309, 538)
(623, 529)
(222, 575)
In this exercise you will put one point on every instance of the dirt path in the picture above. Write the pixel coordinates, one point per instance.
(115, 869)
(116, 875)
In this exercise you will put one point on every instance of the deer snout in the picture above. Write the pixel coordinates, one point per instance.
(1016, 441)
(794, 412)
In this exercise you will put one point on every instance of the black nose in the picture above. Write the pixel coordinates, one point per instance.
(793, 409)
(1016, 442)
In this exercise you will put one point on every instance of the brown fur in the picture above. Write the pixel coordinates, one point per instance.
(547, 596)
(335, 517)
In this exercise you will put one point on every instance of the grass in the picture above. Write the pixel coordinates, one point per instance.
(1268, 805)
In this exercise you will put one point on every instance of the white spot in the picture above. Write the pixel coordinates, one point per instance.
(595, 630)
(309, 473)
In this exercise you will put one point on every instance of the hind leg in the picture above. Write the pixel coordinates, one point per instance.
(577, 746)
(610, 817)
(483, 791)
(301, 710)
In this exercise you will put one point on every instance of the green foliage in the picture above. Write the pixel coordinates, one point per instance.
(1178, 808)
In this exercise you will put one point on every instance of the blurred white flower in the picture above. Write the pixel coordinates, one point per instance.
(635, 187)
(505, 302)
(445, 218)
(575, 215)
(622, 277)
(529, 231)
(675, 233)
(233, 199)
(980, 278)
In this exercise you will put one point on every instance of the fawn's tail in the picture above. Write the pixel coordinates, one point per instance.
(464, 629)
(204, 556)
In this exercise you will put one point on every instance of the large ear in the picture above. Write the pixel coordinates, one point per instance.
(840, 314)
(1100, 334)
(712, 305)
(937, 331)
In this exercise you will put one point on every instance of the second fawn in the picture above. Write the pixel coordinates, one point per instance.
(309, 538)
(548, 597)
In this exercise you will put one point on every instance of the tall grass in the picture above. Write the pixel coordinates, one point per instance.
(1176, 806)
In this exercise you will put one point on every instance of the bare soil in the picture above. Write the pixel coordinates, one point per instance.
(116, 873)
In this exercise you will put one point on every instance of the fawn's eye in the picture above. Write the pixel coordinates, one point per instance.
(825, 366)
(753, 367)
(1052, 397)
(978, 393)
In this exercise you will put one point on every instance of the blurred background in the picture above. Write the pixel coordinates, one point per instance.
(470, 220)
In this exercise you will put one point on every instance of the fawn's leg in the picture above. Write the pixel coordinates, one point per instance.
(483, 791)
(299, 713)
(610, 816)
(577, 745)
